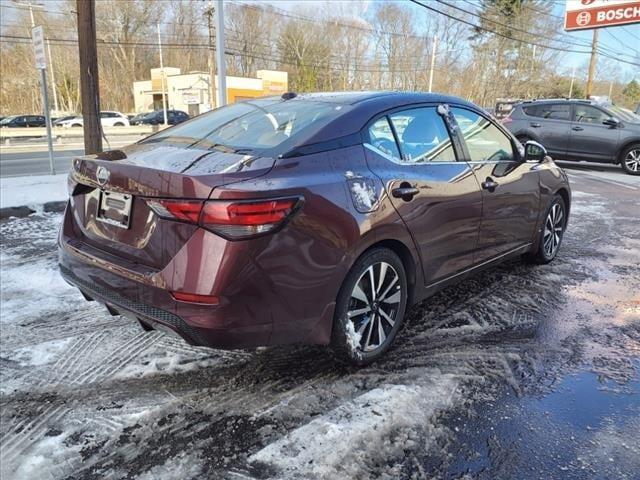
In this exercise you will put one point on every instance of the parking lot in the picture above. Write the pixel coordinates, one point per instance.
(521, 372)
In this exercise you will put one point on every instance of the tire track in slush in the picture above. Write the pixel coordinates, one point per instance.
(31, 433)
(122, 355)
(72, 360)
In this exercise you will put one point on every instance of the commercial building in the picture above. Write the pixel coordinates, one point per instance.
(190, 92)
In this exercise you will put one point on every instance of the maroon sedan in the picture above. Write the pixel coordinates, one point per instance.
(313, 218)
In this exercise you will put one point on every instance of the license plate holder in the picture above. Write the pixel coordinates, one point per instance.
(115, 208)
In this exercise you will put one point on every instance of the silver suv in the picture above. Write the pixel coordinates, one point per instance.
(580, 130)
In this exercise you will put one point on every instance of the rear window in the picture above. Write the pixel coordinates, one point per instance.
(255, 125)
(550, 111)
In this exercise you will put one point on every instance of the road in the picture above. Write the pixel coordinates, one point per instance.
(522, 372)
(34, 159)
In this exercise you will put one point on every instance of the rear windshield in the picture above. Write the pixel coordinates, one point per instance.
(253, 126)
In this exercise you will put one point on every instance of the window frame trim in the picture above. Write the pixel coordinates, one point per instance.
(366, 136)
(517, 154)
(569, 120)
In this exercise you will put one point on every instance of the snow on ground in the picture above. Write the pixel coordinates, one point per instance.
(87, 395)
(386, 419)
(32, 191)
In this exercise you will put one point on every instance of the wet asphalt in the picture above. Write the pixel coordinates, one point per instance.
(522, 372)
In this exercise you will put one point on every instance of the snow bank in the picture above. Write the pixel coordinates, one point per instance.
(32, 190)
(342, 442)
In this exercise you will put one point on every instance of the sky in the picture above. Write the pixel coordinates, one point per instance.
(624, 39)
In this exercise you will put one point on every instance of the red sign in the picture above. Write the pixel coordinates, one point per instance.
(588, 14)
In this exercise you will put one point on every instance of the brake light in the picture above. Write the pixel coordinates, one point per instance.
(229, 218)
(506, 120)
(184, 210)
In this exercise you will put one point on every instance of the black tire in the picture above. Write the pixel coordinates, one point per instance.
(630, 159)
(347, 344)
(118, 124)
(544, 254)
(76, 125)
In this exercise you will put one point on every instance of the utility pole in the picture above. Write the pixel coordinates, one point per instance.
(592, 63)
(433, 62)
(573, 75)
(222, 68)
(162, 78)
(89, 86)
(212, 62)
(610, 90)
(53, 79)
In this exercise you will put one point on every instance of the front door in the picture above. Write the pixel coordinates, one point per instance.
(590, 138)
(510, 187)
(436, 195)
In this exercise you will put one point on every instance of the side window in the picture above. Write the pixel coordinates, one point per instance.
(550, 111)
(484, 140)
(587, 114)
(423, 136)
(381, 137)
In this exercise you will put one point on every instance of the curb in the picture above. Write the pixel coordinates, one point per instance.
(25, 211)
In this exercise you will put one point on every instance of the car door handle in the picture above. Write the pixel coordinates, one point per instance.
(535, 124)
(577, 128)
(489, 184)
(405, 191)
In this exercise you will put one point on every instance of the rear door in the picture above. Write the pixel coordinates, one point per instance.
(510, 187)
(436, 195)
(551, 124)
(590, 138)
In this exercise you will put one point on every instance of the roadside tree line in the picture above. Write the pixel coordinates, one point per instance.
(342, 46)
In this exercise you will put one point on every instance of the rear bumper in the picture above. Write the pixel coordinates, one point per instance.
(251, 311)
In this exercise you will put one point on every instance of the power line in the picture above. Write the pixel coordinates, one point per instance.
(266, 57)
(514, 28)
(479, 27)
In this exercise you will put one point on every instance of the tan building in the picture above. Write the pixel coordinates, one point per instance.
(190, 92)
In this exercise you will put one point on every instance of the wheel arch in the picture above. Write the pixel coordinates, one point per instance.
(564, 193)
(407, 258)
(625, 145)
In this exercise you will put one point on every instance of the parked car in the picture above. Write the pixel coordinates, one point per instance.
(17, 121)
(581, 130)
(58, 121)
(317, 218)
(157, 117)
(107, 119)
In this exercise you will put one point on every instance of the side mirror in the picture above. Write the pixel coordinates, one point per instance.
(611, 121)
(534, 151)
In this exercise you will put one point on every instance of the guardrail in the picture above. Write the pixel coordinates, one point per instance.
(60, 133)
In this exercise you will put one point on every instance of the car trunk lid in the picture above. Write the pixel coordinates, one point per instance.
(120, 180)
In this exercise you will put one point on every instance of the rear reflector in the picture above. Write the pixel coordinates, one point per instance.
(195, 298)
(231, 219)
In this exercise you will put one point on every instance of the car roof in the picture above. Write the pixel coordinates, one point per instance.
(364, 106)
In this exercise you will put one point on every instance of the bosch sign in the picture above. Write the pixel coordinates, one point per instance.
(586, 14)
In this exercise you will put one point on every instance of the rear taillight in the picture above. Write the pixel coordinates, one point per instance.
(506, 120)
(231, 219)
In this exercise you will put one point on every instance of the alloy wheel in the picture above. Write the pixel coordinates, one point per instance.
(553, 227)
(374, 305)
(632, 160)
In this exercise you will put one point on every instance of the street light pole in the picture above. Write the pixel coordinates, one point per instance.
(433, 62)
(162, 80)
(53, 78)
(222, 68)
(592, 62)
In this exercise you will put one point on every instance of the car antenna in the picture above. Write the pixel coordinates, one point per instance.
(289, 95)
